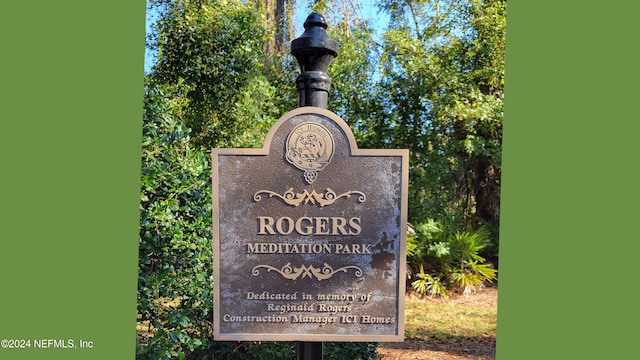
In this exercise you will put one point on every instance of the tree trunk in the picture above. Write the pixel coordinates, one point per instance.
(487, 193)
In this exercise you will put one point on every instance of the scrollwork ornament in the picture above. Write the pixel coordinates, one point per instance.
(292, 273)
(329, 197)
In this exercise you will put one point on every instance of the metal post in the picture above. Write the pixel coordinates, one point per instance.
(306, 350)
(314, 50)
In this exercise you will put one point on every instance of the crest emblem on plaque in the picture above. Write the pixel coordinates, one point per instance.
(309, 148)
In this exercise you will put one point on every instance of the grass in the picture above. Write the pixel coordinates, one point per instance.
(461, 316)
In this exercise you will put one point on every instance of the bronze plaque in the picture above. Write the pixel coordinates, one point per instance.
(309, 235)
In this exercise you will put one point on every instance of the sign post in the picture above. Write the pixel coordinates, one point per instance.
(309, 231)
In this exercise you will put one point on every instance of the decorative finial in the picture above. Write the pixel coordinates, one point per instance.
(314, 50)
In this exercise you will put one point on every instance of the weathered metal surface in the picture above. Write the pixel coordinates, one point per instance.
(309, 235)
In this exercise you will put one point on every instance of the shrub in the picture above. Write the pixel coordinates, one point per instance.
(175, 254)
(448, 260)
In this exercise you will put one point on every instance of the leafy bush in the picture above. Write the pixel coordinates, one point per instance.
(350, 351)
(448, 260)
(175, 253)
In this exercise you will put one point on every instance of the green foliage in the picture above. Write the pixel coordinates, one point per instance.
(428, 284)
(351, 351)
(211, 54)
(248, 350)
(175, 254)
(452, 257)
